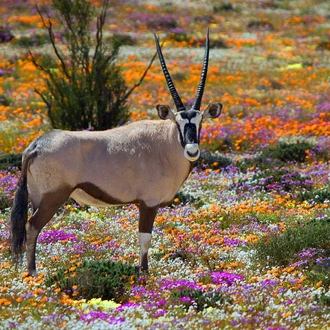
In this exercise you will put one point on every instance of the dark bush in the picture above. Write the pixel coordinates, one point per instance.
(10, 160)
(213, 161)
(96, 279)
(279, 249)
(323, 299)
(184, 199)
(288, 152)
(5, 35)
(324, 45)
(223, 7)
(199, 299)
(320, 272)
(277, 156)
(316, 195)
(260, 25)
(84, 85)
(124, 39)
(31, 41)
(4, 100)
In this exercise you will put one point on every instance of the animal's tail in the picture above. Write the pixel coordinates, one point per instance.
(19, 214)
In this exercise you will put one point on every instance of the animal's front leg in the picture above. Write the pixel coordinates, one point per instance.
(146, 222)
(145, 243)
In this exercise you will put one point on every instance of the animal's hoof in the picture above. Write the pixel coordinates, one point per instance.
(32, 273)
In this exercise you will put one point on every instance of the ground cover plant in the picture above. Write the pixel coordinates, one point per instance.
(245, 243)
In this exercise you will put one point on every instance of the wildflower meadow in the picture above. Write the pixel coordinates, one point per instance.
(245, 244)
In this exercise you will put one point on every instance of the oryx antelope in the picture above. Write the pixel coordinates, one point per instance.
(144, 162)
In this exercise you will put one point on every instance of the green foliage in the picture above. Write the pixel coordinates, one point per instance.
(198, 299)
(211, 160)
(260, 25)
(5, 202)
(107, 280)
(124, 39)
(323, 45)
(323, 299)
(288, 152)
(85, 88)
(320, 272)
(31, 41)
(4, 100)
(179, 37)
(316, 195)
(223, 7)
(279, 249)
(185, 198)
(277, 156)
(10, 160)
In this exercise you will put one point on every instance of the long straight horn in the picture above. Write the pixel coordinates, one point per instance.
(200, 91)
(177, 100)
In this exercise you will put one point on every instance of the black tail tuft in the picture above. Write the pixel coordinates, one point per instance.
(18, 218)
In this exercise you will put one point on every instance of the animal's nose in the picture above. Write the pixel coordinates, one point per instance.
(191, 151)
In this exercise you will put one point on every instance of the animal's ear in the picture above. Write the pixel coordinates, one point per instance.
(165, 112)
(212, 111)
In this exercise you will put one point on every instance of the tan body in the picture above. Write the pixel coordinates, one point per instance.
(116, 162)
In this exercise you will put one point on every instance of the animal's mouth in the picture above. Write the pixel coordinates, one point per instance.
(192, 152)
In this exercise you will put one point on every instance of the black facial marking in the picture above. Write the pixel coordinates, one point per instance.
(190, 134)
(188, 114)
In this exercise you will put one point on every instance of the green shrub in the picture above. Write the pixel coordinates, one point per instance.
(279, 249)
(288, 152)
(323, 45)
(320, 272)
(213, 161)
(5, 201)
(316, 195)
(10, 160)
(260, 25)
(124, 39)
(96, 279)
(31, 41)
(223, 7)
(84, 85)
(179, 36)
(184, 198)
(199, 299)
(323, 299)
(277, 156)
(4, 100)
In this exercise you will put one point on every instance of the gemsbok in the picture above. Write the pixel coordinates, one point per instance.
(144, 162)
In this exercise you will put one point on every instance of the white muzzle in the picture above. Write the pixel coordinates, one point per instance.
(191, 151)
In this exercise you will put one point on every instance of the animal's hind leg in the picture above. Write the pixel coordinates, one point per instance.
(43, 214)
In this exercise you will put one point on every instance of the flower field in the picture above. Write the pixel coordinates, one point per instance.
(246, 242)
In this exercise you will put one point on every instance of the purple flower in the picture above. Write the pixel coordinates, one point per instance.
(99, 315)
(225, 278)
(159, 313)
(55, 236)
(167, 284)
(233, 242)
(269, 282)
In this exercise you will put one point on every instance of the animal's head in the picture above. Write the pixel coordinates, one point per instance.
(188, 121)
